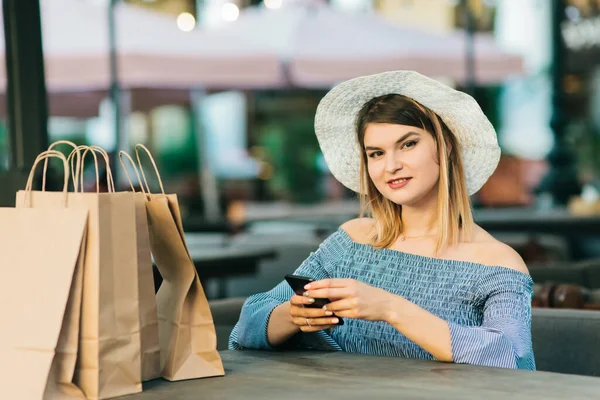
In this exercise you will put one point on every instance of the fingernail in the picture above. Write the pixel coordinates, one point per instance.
(334, 320)
(324, 307)
(311, 300)
(328, 313)
(307, 286)
(305, 294)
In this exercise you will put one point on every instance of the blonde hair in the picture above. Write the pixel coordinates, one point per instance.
(454, 207)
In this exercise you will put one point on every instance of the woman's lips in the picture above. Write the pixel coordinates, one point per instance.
(398, 183)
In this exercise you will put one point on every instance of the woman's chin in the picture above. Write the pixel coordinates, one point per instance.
(402, 199)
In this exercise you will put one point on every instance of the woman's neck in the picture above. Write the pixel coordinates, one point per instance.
(420, 221)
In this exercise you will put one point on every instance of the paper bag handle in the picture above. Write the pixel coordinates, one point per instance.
(109, 176)
(137, 154)
(73, 175)
(135, 169)
(81, 169)
(44, 156)
(75, 171)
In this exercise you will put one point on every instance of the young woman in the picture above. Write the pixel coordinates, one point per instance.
(417, 278)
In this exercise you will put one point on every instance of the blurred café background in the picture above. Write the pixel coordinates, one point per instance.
(224, 94)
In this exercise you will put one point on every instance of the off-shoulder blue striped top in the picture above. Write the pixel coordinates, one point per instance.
(488, 308)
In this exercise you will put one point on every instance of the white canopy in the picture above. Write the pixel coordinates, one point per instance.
(152, 52)
(302, 44)
(322, 46)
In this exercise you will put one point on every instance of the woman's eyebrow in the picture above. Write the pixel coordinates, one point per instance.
(402, 139)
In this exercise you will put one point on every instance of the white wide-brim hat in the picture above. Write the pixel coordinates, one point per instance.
(336, 118)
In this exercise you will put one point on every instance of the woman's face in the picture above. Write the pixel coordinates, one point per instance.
(402, 162)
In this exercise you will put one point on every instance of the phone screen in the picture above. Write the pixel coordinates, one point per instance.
(297, 284)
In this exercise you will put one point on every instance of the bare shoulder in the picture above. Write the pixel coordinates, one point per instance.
(491, 251)
(360, 230)
(503, 255)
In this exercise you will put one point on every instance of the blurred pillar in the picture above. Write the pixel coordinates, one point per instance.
(26, 92)
(469, 25)
(115, 89)
(199, 8)
(524, 28)
(209, 187)
(561, 182)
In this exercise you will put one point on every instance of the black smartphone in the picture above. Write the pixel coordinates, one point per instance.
(297, 284)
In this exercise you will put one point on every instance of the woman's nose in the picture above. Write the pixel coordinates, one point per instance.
(393, 163)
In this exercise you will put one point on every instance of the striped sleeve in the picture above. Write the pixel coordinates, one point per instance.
(504, 337)
(251, 330)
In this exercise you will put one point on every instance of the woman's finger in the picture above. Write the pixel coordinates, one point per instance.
(348, 313)
(303, 312)
(341, 305)
(328, 293)
(319, 322)
(315, 328)
(301, 300)
(330, 282)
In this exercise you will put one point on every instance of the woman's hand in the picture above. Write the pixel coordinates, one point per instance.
(310, 319)
(352, 299)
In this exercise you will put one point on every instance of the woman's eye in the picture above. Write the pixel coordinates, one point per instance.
(410, 143)
(375, 154)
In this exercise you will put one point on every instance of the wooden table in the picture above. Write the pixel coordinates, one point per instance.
(338, 375)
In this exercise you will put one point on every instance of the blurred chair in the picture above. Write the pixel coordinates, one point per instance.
(538, 248)
(583, 273)
(563, 295)
(566, 341)
(592, 272)
(225, 313)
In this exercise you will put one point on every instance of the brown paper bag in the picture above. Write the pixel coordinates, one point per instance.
(150, 347)
(108, 364)
(42, 252)
(186, 330)
(149, 343)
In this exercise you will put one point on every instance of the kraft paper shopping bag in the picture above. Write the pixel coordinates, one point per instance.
(42, 254)
(150, 346)
(186, 328)
(109, 360)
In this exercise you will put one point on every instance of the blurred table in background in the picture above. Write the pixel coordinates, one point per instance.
(200, 224)
(497, 219)
(216, 260)
(524, 220)
(579, 232)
